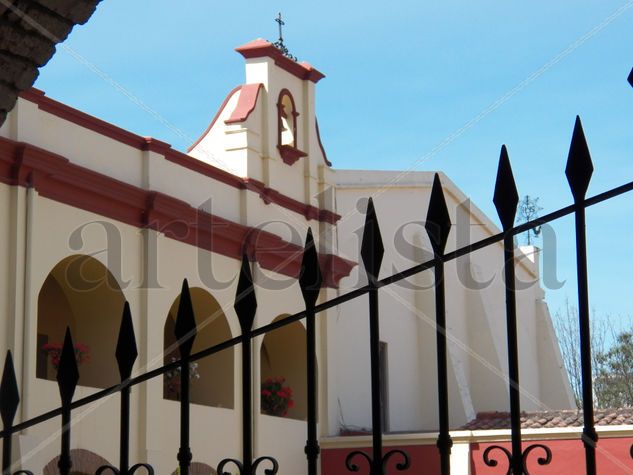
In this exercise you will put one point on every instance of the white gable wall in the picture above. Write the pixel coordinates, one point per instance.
(475, 317)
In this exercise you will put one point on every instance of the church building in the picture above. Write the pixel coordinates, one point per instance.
(92, 216)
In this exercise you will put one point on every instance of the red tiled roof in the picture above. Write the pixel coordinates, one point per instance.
(549, 419)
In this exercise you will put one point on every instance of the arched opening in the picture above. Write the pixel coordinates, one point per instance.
(211, 378)
(80, 293)
(283, 355)
(287, 120)
(287, 142)
(84, 462)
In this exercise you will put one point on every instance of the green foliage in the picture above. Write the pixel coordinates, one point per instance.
(613, 378)
(611, 358)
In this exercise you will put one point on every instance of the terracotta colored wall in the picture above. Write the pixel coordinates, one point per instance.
(424, 459)
(567, 458)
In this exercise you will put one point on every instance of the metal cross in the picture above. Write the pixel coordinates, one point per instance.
(281, 24)
(280, 42)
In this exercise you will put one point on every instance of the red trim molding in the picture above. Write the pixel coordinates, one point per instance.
(290, 154)
(198, 166)
(215, 118)
(261, 48)
(267, 195)
(75, 116)
(245, 104)
(89, 122)
(318, 134)
(54, 177)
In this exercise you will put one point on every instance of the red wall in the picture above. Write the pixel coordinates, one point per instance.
(568, 458)
(424, 459)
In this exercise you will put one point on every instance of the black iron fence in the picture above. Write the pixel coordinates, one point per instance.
(438, 225)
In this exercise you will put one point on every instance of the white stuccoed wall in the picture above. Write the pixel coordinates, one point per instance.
(475, 317)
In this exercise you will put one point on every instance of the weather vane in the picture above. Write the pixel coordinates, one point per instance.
(280, 42)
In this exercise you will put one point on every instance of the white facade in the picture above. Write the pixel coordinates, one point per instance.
(475, 308)
(73, 185)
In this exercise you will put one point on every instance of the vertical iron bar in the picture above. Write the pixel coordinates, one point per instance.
(513, 354)
(124, 456)
(444, 441)
(312, 444)
(185, 332)
(578, 171)
(506, 200)
(65, 463)
(67, 379)
(247, 409)
(6, 452)
(589, 435)
(9, 402)
(438, 227)
(372, 252)
(246, 307)
(310, 281)
(126, 353)
(374, 346)
(184, 454)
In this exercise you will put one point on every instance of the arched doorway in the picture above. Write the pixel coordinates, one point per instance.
(212, 377)
(283, 355)
(80, 293)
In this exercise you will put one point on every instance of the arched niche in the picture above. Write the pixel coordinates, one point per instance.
(287, 115)
(283, 354)
(212, 381)
(287, 140)
(84, 462)
(82, 294)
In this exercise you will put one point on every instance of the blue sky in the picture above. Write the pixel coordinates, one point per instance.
(410, 85)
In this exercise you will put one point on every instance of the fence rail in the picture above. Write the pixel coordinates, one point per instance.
(578, 171)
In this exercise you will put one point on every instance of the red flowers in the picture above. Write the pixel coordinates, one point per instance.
(54, 350)
(276, 398)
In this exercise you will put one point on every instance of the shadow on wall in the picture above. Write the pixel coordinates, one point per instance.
(212, 378)
(283, 355)
(80, 293)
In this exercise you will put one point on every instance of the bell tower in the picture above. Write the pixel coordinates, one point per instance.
(266, 129)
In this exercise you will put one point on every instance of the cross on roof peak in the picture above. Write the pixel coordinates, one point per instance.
(280, 42)
(281, 24)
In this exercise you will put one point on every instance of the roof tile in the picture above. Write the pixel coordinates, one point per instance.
(549, 419)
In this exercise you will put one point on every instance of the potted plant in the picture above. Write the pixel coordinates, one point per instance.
(276, 398)
(54, 351)
(172, 379)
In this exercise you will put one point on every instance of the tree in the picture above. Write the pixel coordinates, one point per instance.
(566, 326)
(613, 380)
(528, 210)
